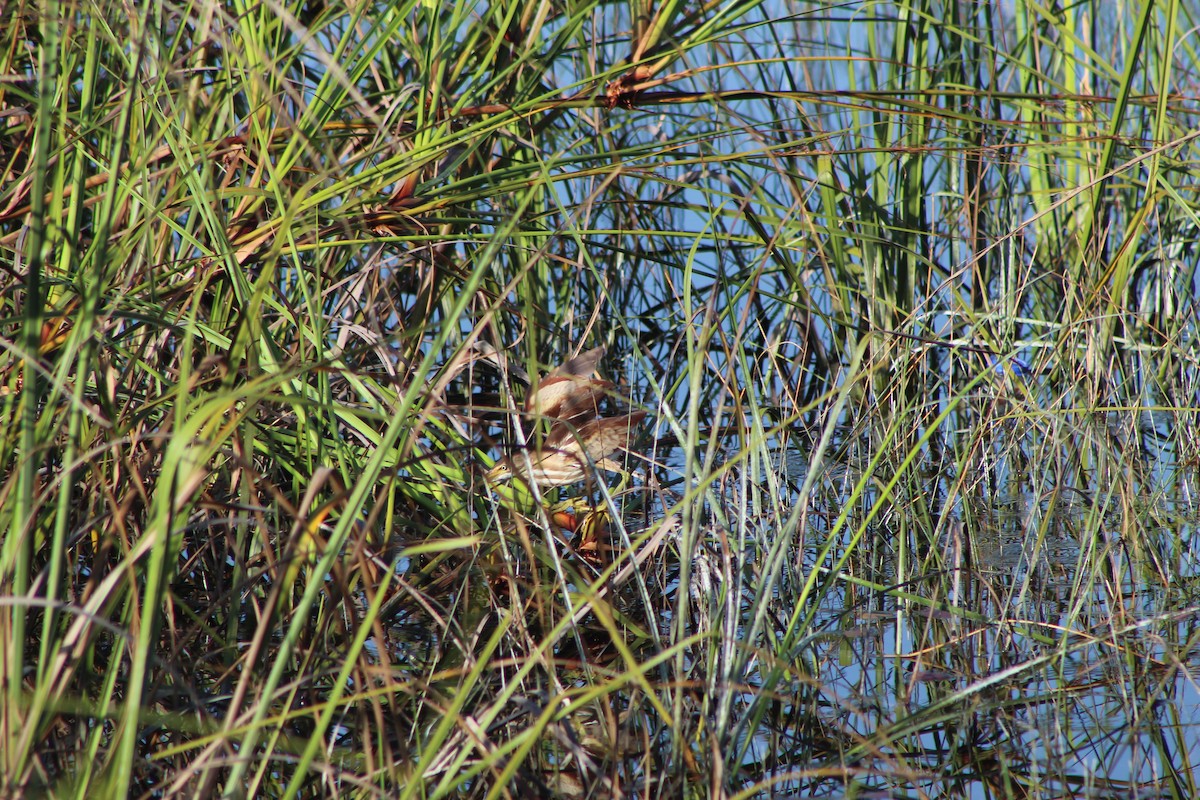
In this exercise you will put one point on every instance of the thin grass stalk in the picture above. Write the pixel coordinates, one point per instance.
(692, 475)
(78, 352)
(18, 549)
(773, 561)
(194, 441)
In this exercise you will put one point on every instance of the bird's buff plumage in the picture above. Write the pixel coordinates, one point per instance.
(569, 452)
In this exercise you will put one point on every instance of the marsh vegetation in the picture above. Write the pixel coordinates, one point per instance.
(898, 304)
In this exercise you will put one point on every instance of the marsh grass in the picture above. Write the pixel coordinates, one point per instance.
(908, 290)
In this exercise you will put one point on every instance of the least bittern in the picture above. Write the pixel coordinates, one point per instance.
(569, 392)
(568, 454)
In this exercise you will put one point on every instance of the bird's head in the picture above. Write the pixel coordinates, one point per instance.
(501, 472)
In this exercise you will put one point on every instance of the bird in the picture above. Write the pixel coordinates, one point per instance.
(569, 452)
(569, 392)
